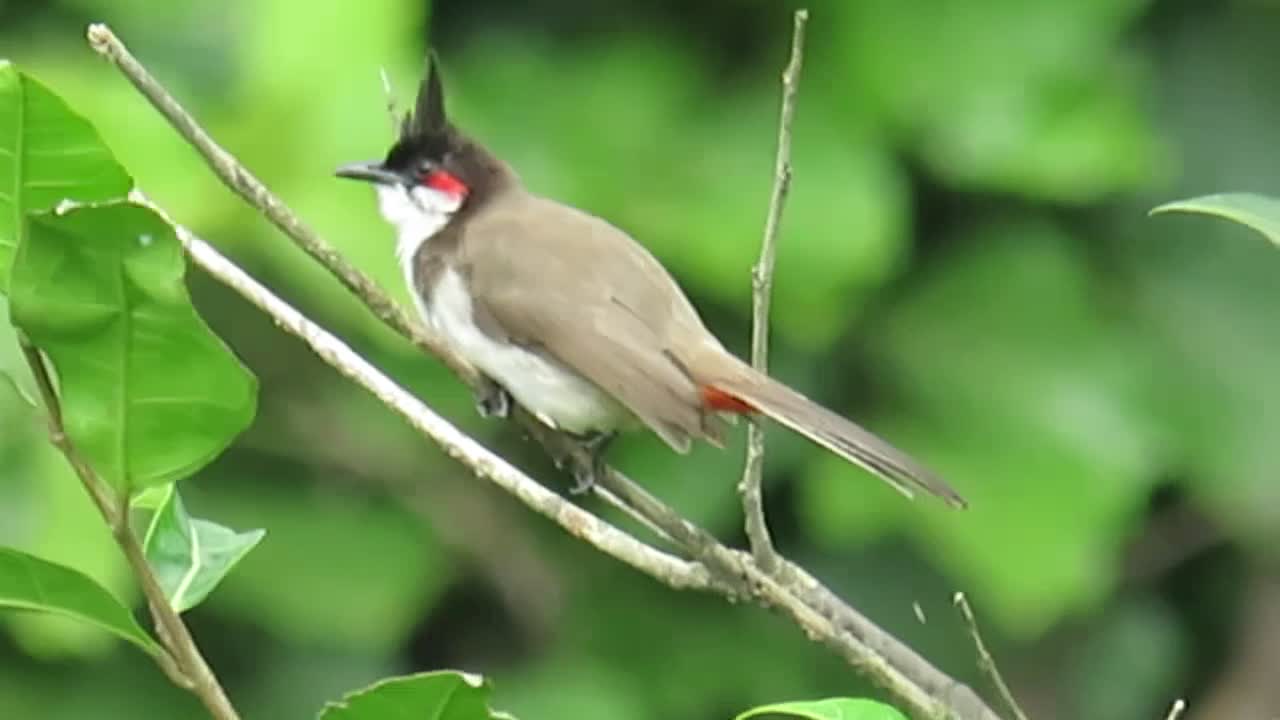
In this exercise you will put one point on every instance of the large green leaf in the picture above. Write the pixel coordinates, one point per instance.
(190, 556)
(47, 154)
(29, 583)
(149, 393)
(1259, 212)
(829, 709)
(442, 695)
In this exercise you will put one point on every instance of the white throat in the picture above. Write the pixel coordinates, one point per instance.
(418, 214)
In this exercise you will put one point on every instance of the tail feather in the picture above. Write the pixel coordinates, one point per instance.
(837, 434)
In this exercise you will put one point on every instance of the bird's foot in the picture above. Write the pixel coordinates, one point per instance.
(492, 400)
(588, 470)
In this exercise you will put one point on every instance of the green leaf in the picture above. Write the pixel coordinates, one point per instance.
(29, 583)
(191, 556)
(829, 709)
(47, 154)
(444, 695)
(1259, 212)
(149, 393)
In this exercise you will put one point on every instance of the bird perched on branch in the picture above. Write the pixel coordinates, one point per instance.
(569, 315)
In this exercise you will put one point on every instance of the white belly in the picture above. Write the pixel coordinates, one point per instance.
(559, 397)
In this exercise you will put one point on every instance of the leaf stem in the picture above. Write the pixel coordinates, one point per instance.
(180, 659)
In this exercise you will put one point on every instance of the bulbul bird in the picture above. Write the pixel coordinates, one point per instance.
(569, 315)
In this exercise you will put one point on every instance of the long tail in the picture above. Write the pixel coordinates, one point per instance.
(837, 434)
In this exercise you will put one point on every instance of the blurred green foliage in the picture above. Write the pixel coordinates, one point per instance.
(966, 265)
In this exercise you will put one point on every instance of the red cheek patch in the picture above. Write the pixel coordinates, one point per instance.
(446, 183)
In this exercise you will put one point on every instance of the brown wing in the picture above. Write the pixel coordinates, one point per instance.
(591, 297)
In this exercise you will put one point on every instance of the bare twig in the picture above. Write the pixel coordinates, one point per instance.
(180, 658)
(1176, 710)
(985, 661)
(922, 689)
(761, 290)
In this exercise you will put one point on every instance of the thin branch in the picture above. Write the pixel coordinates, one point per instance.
(985, 661)
(669, 569)
(923, 690)
(180, 659)
(761, 291)
(1176, 711)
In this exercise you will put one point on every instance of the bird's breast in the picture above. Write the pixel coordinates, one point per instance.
(554, 393)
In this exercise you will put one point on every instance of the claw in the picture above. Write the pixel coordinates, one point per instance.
(492, 400)
(585, 476)
(587, 473)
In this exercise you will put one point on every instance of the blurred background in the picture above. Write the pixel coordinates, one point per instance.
(966, 266)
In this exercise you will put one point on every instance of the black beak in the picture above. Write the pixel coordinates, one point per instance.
(370, 171)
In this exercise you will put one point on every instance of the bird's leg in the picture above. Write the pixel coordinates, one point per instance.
(588, 470)
(492, 400)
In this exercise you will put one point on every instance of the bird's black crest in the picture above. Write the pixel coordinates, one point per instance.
(424, 132)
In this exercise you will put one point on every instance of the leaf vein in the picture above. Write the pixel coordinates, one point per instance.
(126, 319)
(17, 163)
(36, 585)
(53, 184)
(64, 151)
(192, 570)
